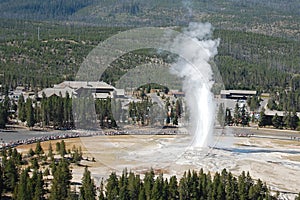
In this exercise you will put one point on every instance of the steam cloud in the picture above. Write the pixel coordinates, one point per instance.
(198, 78)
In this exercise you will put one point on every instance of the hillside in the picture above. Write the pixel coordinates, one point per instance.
(272, 17)
(245, 60)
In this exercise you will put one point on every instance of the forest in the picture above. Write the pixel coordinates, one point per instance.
(38, 175)
(245, 60)
(55, 51)
(272, 17)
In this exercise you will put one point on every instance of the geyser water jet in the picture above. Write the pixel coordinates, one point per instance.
(197, 77)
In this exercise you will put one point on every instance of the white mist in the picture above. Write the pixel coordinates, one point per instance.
(198, 79)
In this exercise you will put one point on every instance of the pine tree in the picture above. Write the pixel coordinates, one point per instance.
(34, 164)
(61, 181)
(228, 117)
(263, 118)
(29, 113)
(133, 186)
(173, 188)
(21, 108)
(45, 110)
(242, 186)
(123, 185)
(142, 194)
(244, 116)
(148, 183)
(101, 191)
(3, 116)
(1, 182)
(183, 188)
(112, 188)
(88, 189)
(39, 190)
(10, 174)
(237, 115)
(294, 121)
(276, 120)
(23, 189)
(38, 149)
(158, 186)
(50, 151)
(221, 115)
(62, 149)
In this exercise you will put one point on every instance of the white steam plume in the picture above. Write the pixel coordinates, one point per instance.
(198, 78)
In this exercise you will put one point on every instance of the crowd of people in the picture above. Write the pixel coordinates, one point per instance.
(83, 133)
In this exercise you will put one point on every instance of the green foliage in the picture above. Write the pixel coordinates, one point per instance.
(1, 181)
(253, 103)
(61, 181)
(38, 148)
(285, 100)
(38, 186)
(263, 119)
(29, 113)
(57, 111)
(50, 151)
(3, 116)
(297, 197)
(241, 15)
(23, 190)
(4, 107)
(277, 121)
(107, 110)
(62, 149)
(76, 155)
(139, 112)
(228, 117)
(46, 172)
(221, 114)
(254, 61)
(192, 185)
(112, 187)
(21, 108)
(34, 164)
(88, 189)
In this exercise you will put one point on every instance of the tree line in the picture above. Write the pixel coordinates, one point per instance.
(290, 120)
(24, 177)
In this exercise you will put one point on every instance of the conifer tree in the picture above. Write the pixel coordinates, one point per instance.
(23, 189)
(142, 194)
(88, 190)
(38, 149)
(61, 181)
(112, 188)
(101, 191)
(10, 174)
(148, 183)
(133, 186)
(221, 115)
(62, 149)
(173, 188)
(3, 116)
(50, 151)
(123, 185)
(21, 108)
(1, 182)
(29, 113)
(39, 190)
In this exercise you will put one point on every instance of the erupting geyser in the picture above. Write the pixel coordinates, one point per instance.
(198, 79)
